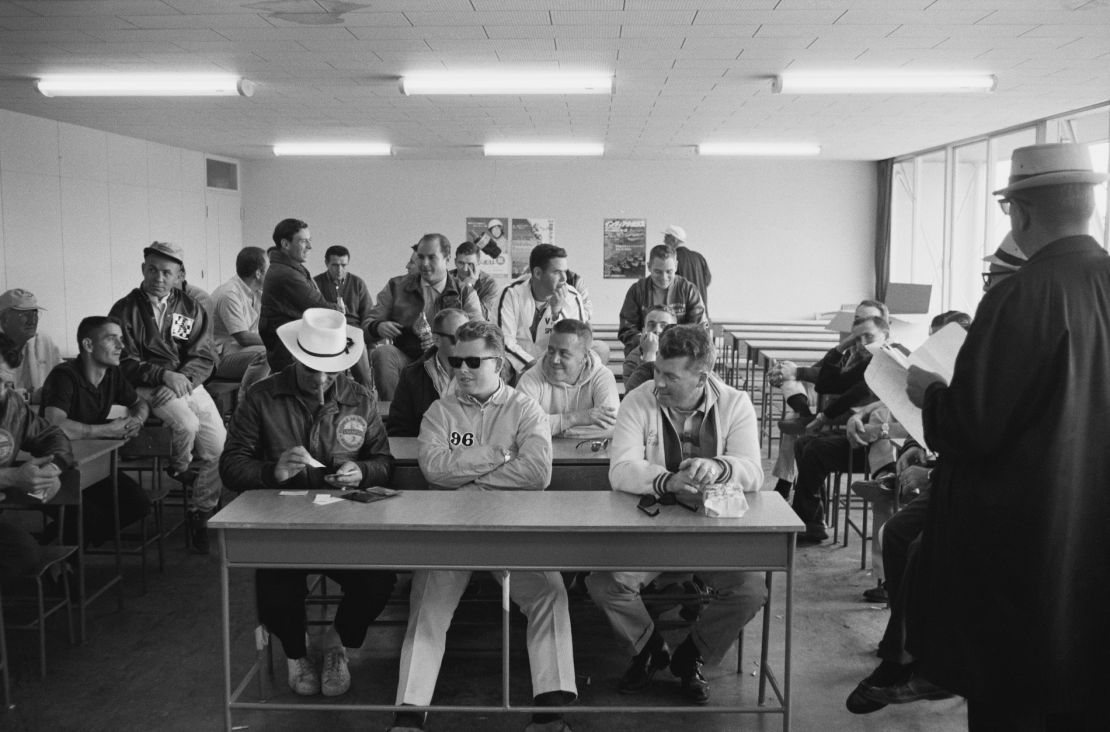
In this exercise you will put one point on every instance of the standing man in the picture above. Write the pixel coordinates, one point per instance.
(288, 290)
(311, 413)
(426, 379)
(405, 309)
(686, 431)
(237, 304)
(26, 356)
(1019, 503)
(530, 305)
(77, 397)
(505, 445)
(467, 272)
(169, 354)
(691, 264)
(661, 287)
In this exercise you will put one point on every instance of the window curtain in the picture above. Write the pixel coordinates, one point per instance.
(882, 228)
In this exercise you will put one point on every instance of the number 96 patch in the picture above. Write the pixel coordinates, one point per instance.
(465, 439)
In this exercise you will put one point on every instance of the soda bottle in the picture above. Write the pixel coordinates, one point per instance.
(423, 331)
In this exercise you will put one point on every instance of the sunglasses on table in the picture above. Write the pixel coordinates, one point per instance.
(595, 445)
(649, 502)
(472, 362)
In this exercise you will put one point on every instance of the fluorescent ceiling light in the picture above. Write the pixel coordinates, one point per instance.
(143, 85)
(513, 83)
(333, 148)
(760, 149)
(885, 82)
(498, 149)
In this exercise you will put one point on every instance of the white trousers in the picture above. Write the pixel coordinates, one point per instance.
(197, 427)
(435, 595)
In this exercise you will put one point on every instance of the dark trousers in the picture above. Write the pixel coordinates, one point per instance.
(281, 593)
(817, 456)
(1011, 715)
(134, 504)
(901, 541)
(20, 554)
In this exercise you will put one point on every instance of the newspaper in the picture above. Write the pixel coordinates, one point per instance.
(887, 372)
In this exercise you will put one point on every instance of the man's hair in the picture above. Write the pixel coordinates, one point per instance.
(662, 251)
(466, 249)
(951, 316)
(442, 316)
(336, 250)
(880, 322)
(692, 341)
(249, 260)
(881, 307)
(661, 309)
(481, 330)
(542, 254)
(90, 325)
(1069, 203)
(575, 327)
(271, 250)
(444, 244)
(286, 228)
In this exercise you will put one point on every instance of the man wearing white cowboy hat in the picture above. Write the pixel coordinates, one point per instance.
(309, 426)
(1014, 557)
(691, 264)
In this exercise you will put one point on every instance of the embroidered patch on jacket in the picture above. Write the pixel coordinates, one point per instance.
(181, 327)
(351, 432)
(7, 447)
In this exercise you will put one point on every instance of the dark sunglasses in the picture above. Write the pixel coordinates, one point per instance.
(472, 362)
(450, 337)
(647, 503)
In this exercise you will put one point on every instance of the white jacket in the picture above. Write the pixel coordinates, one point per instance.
(636, 459)
(596, 387)
(462, 442)
(514, 317)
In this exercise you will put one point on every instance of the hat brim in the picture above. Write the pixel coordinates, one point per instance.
(1058, 178)
(328, 364)
(995, 259)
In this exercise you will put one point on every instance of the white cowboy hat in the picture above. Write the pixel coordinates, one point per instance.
(322, 340)
(676, 231)
(1050, 165)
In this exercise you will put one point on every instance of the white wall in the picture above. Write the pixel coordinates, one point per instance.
(783, 238)
(78, 205)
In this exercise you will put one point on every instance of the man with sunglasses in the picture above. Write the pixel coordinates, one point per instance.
(427, 379)
(484, 435)
(675, 436)
(26, 356)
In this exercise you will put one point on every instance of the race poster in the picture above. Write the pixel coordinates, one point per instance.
(491, 234)
(526, 234)
(625, 243)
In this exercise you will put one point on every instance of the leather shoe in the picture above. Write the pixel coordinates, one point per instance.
(686, 665)
(876, 489)
(813, 535)
(877, 594)
(887, 674)
(644, 666)
(916, 689)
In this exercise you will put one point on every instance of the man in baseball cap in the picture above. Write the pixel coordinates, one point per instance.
(276, 443)
(691, 264)
(26, 356)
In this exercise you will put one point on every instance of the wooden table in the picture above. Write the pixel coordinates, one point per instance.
(501, 530)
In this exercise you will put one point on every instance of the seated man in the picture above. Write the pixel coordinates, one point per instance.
(639, 364)
(505, 444)
(685, 431)
(405, 309)
(237, 305)
(34, 482)
(168, 355)
(77, 397)
(311, 413)
(26, 356)
(467, 256)
(426, 380)
(661, 287)
(576, 390)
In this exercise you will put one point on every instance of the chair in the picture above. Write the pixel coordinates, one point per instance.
(225, 393)
(846, 501)
(150, 451)
(53, 556)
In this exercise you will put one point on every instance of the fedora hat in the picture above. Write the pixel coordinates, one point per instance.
(1008, 254)
(1050, 165)
(322, 340)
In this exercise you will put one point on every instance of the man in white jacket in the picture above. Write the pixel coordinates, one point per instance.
(571, 384)
(484, 435)
(675, 436)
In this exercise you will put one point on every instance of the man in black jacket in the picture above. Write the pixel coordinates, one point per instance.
(425, 380)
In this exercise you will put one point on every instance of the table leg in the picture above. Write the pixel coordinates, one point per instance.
(114, 467)
(505, 607)
(81, 602)
(225, 612)
(790, 543)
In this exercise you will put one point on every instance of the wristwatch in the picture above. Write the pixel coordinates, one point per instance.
(507, 454)
(884, 431)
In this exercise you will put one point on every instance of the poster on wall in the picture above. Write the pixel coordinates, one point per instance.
(526, 234)
(624, 247)
(491, 234)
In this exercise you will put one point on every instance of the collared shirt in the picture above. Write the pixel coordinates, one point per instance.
(69, 390)
(431, 296)
(687, 437)
(440, 376)
(159, 304)
(237, 307)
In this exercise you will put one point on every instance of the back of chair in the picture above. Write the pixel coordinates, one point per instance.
(152, 441)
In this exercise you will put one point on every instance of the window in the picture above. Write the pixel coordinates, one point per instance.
(222, 174)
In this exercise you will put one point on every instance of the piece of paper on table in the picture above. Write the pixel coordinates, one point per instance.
(323, 499)
(886, 374)
(292, 493)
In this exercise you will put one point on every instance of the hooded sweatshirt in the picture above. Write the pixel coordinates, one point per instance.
(596, 387)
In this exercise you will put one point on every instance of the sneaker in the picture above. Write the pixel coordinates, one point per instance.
(644, 666)
(196, 526)
(686, 665)
(877, 489)
(336, 677)
(877, 594)
(303, 678)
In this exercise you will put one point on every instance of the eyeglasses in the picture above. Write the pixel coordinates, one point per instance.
(595, 445)
(449, 336)
(1004, 204)
(988, 277)
(648, 502)
(471, 362)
